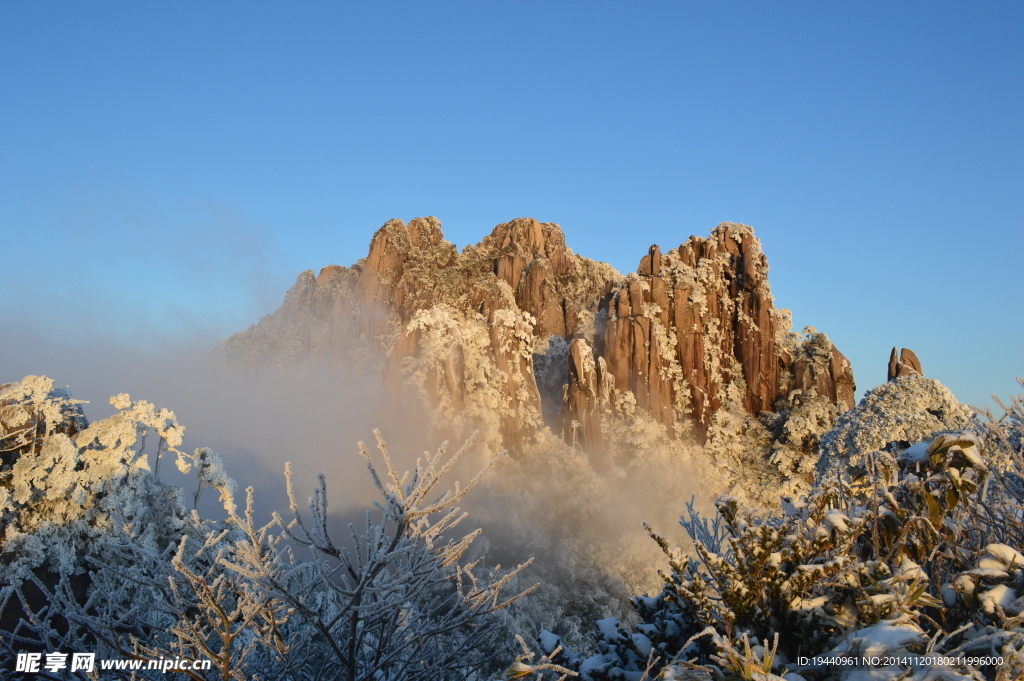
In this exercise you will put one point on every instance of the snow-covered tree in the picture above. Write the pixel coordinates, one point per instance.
(99, 555)
(918, 554)
(396, 602)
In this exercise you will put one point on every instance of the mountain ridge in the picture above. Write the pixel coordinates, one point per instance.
(518, 332)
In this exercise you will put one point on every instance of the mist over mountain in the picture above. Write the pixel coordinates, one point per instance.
(523, 339)
(595, 407)
(652, 432)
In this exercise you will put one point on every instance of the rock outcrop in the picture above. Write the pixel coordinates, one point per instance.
(518, 332)
(907, 365)
(697, 327)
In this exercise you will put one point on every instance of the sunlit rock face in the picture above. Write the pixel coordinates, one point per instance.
(698, 321)
(518, 333)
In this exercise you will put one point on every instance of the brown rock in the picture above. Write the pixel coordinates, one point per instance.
(650, 264)
(910, 361)
(584, 398)
(816, 366)
(511, 350)
(907, 365)
(710, 300)
(328, 273)
(537, 294)
(693, 329)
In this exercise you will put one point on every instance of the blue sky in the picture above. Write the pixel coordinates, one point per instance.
(167, 169)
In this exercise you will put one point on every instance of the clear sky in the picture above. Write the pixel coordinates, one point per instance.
(167, 169)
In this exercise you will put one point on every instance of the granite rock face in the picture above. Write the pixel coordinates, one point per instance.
(518, 332)
(695, 328)
(907, 365)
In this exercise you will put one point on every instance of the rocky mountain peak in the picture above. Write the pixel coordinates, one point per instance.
(518, 333)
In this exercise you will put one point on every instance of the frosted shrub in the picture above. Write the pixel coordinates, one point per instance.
(183, 601)
(892, 416)
(397, 602)
(70, 493)
(1004, 440)
(98, 555)
(918, 554)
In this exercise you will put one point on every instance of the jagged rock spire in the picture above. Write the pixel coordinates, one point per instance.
(693, 330)
(907, 365)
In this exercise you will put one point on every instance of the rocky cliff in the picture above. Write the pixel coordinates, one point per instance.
(518, 332)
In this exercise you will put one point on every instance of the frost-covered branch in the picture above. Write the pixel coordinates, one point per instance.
(397, 599)
(101, 556)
